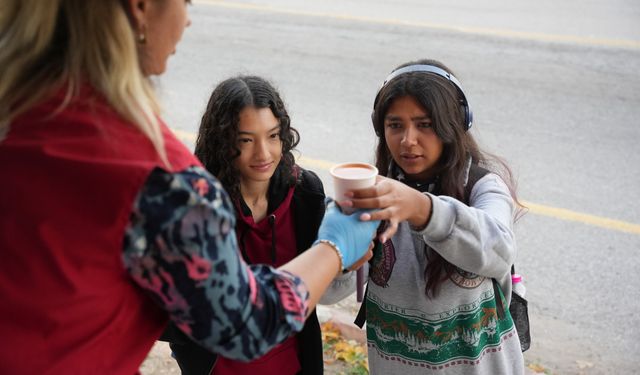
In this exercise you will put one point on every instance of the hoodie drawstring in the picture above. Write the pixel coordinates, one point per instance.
(242, 246)
(272, 221)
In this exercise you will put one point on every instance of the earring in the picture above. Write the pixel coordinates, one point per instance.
(142, 37)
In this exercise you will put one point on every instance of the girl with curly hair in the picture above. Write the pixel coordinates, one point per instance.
(246, 140)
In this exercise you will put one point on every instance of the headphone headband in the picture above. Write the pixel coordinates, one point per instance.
(438, 71)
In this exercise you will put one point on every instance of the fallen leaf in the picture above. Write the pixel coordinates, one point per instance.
(536, 367)
(337, 348)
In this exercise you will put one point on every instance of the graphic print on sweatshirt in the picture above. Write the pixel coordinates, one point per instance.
(384, 258)
(462, 335)
(464, 279)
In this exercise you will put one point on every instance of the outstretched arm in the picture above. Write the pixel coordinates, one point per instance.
(181, 248)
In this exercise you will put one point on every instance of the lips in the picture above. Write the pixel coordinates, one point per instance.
(262, 167)
(410, 157)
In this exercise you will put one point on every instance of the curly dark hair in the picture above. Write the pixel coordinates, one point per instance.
(442, 101)
(216, 143)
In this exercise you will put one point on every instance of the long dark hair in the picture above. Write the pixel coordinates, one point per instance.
(442, 101)
(216, 143)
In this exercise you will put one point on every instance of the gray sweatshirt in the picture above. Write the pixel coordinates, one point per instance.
(458, 331)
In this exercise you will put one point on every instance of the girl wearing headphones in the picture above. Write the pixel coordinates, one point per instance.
(431, 302)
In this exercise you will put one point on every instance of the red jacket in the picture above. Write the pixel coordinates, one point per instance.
(69, 182)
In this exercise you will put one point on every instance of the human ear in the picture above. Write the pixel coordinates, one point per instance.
(138, 12)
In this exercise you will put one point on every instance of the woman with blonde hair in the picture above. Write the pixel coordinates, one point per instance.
(110, 227)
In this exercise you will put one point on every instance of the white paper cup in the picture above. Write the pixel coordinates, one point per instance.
(352, 176)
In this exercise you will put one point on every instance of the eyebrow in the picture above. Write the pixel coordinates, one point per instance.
(417, 118)
(277, 127)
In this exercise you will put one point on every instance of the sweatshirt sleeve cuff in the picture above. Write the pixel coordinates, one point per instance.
(442, 220)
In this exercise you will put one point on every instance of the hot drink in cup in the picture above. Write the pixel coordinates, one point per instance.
(347, 177)
(352, 176)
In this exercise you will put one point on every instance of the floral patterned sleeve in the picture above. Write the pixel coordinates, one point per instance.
(180, 246)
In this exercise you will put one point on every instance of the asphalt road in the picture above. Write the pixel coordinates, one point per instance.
(555, 90)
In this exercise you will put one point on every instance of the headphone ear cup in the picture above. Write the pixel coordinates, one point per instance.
(468, 118)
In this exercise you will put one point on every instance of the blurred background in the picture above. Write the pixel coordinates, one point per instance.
(555, 91)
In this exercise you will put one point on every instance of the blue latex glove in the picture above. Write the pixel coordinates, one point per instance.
(348, 232)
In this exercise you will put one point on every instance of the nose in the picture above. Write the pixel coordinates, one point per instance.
(188, 21)
(409, 137)
(261, 151)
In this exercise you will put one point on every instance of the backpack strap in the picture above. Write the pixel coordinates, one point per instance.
(499, 303)
(476, 172)
(362, 312)
(496, 292)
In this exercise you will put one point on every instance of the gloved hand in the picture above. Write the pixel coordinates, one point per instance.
(351, 235)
